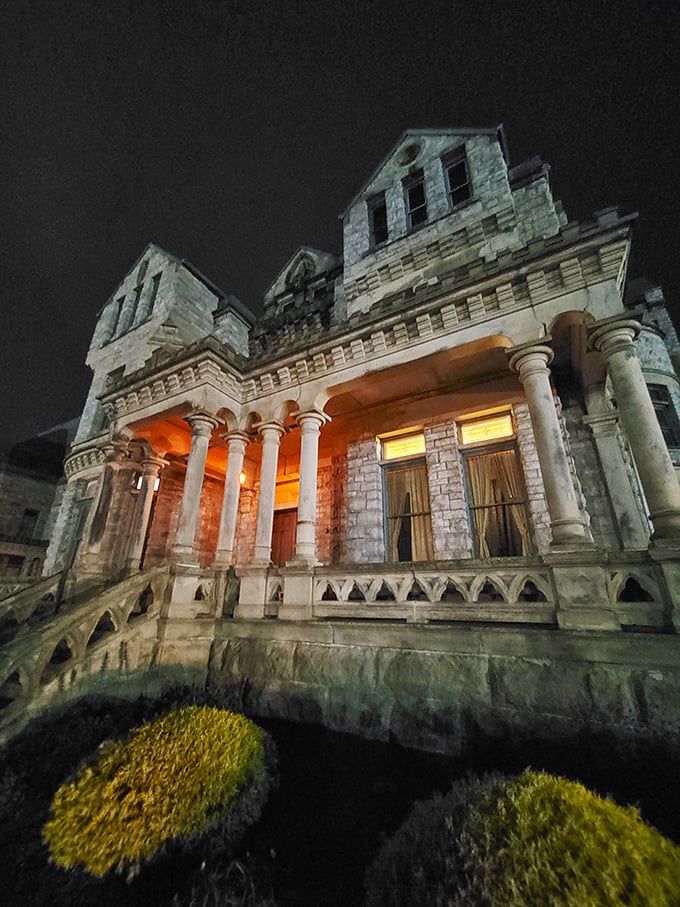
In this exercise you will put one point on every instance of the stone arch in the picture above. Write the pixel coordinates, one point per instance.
(62, 653)
(12, 688)
(199, 594)
(575, 369)
(452, 594)
(143, 603)
(416, 593)
(633, 588)
(529, 588)
(104, 626)
(488, 589)
(329, 594)
(276, 593)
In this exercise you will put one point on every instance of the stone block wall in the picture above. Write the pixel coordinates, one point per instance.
(439, 688)
(450, 523)
(533, 479)
(592, 482)
(365, 529)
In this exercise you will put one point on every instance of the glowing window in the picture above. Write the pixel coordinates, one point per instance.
(403, 446)
(493, 428)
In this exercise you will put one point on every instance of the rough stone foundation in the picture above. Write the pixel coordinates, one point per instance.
(439, 688)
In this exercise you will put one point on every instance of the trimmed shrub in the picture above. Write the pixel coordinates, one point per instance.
(173, 780)
(536, 839)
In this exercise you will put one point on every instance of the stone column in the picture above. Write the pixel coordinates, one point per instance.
(630, 522)
(566, 520)
(271, 433)
(237, 441)
(202, 425)
(151, 469)
(615, 339)
(305, 540)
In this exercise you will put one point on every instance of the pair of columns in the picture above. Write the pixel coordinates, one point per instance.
(271, 433)
(615, 340)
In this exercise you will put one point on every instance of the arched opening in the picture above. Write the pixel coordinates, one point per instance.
(105, 625)
(10, 690)
(61, 654)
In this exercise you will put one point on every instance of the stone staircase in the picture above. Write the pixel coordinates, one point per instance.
(103, 639)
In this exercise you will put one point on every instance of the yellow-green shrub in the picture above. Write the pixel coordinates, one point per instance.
(519, 842)
(173, 779)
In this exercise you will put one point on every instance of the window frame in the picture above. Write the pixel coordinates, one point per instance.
(410, 182)
(451, 160)
(377, 202)
(666, 413)
(412, 461)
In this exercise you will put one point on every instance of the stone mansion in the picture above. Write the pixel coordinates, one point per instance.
(458, 420)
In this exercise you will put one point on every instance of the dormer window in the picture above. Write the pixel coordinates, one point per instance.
(377, 219)
(416, 203)
(457, 176)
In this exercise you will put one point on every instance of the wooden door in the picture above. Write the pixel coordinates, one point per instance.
(283, 536)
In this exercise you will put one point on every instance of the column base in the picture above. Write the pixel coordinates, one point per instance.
(298, 590)
(570, 535)
(667, 556)
(580, 581)
(253, 592)
(666, 525)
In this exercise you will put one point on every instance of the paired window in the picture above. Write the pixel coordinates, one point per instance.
(416, 201)
(457, 177)
(408, 523)
(377, 218)
(495, 488)
(665, 413)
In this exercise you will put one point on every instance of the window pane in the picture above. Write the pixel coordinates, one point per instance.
(397, 448)
(409, 525)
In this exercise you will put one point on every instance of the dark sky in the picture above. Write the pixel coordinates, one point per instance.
(232, 132)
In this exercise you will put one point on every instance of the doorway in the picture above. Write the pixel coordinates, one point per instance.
(283, 536)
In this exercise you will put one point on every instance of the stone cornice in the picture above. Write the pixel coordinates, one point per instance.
(82, 459)
(580, 256)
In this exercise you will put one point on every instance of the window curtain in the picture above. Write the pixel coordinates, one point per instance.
(500, 467)
(409, 499)
(512, 489)
(481, 487)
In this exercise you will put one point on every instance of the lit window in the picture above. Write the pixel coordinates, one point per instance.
(408, 524)
(491, 428)
(377, 216)
(457, 176)
(416, 203)
(403, 446)
(665, 413)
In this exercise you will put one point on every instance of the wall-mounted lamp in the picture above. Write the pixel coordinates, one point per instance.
(157, 483)
(243, 478)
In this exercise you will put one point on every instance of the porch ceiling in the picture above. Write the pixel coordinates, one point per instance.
(442, 372)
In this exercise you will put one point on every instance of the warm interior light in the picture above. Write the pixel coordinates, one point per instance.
(403, 446)
(157, 483)
(242, 478)
(492, 429)
(139, 482)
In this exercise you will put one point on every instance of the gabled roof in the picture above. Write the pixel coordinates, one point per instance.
(222, 297)
(321, 262)
(495, 131)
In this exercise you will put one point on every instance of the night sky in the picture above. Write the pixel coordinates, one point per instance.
(230, 133)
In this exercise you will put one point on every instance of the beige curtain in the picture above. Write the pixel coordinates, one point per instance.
(408, 498)
(507, 471)
(481, 487)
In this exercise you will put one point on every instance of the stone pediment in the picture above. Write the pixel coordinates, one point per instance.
(306, 264)
(413, 148)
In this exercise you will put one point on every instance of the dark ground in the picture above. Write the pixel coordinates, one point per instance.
(338, 797)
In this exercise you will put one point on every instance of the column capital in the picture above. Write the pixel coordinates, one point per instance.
(201, 422)
(236, 437)
(603, 424)
(151, 466)
(529, 358)
(614, 334)
(115, 451)
(311, 418)
(273, 430)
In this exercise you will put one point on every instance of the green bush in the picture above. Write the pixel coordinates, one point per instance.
(173, 780)
(536, 839)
